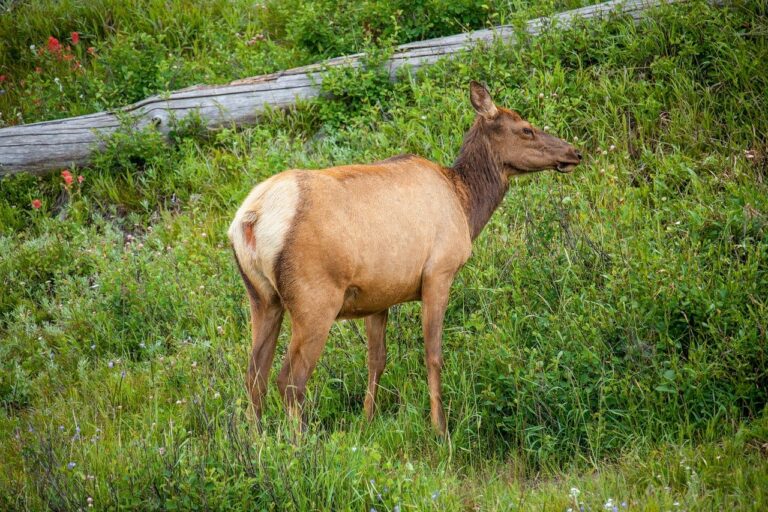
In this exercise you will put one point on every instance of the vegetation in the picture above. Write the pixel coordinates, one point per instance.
(605, 347)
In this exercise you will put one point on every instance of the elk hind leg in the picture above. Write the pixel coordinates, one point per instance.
(310, 325)
(266, 318)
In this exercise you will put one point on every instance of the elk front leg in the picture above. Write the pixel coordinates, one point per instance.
(375, 327)
(434, 297)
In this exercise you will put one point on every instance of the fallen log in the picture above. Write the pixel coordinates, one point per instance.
(42, 147)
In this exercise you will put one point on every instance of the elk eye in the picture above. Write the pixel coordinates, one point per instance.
(528, 132)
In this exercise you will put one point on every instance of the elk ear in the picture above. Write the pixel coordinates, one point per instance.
(481, 100)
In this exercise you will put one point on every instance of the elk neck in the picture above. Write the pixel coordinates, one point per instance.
(478, 178)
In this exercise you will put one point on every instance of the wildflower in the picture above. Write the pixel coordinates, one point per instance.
(91, 51)
(38, 69)
(142, 345)
(61, 428)
(36, 204)
(255, 39)
(574, 492)
(435, 495)
(396, 508)
(161, 450)
(546, 127)
(623, 504)
(32, 47)
(122, 374)
(66, 175)
(111, 364)
(80, 178)
(2, 78)
(541, 95)
(53, 44)
(93, 346)
(608, 504)
(612, 148)
(605, 152)
(71, 465)
(75, 37)
(575, 138)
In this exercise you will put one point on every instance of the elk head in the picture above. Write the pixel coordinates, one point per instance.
(517, 145)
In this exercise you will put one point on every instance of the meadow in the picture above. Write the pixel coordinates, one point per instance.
(605, 347)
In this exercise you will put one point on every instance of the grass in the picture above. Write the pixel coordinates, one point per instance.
(604, 347)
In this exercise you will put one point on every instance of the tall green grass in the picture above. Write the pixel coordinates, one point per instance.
(142, 47)
(605, 346)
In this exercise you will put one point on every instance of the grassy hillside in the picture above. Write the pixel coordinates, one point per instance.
(605, 347)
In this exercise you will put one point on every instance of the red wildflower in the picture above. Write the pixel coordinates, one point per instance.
(2, 78)
(38, 69)
(53, 44)
(68, 57)
(91, 50)
(80, 178)
(36, 204)
(75, 37)
(68, 179)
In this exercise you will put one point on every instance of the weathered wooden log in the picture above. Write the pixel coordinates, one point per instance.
(42, 147)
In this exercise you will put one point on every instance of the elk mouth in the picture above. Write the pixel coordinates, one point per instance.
(566, 167)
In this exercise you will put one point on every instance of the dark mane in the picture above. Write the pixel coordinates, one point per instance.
(479, 177)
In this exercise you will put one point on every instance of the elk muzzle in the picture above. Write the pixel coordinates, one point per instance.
(571, 159)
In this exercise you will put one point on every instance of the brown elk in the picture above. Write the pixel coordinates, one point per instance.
(351, 241)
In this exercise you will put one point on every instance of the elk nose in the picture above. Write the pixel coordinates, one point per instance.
(578, 155)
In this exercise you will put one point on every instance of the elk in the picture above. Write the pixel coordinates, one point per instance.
(351, 241)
